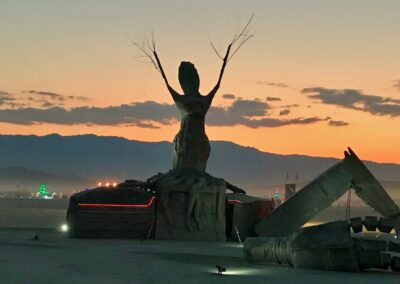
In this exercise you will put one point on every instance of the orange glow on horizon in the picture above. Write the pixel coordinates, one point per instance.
(74, 50)
(311, 140)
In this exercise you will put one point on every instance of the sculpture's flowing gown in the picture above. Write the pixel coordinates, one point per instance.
(191, 147)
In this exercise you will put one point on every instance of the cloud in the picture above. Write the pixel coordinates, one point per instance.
(228, 117)
(284, 112)
(5, 97)
(150, 114)
(240, 112)
(51, 95)
(143, 124)
(273, 84)
(56, 96)
(397, 85)
(248, 108)
(47, 104)
(36, 99)
(140, 114)
(8, 100)
(337, 123)
(355, 99)
(274, 122)
(273, 99)
(4, 93)
(79, 98)
(252, 114)
(229, 96)
(290, 106)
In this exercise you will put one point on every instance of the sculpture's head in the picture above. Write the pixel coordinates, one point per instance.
(189, 78)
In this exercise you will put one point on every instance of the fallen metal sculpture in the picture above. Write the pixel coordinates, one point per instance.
(323, 191)
(329, 246)
(324, 247)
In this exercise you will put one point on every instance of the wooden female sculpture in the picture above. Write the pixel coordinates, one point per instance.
(191, 148)
(191, 202)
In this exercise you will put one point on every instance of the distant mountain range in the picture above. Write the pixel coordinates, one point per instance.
(91, 158)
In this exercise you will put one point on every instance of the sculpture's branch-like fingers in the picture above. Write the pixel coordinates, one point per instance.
(238, 40)
(147, 50)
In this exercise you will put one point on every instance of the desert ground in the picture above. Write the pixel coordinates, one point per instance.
(56, 259)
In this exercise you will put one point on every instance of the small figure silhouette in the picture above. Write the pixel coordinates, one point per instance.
(220, 269)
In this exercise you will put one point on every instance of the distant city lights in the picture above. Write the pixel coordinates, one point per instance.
(107, 184)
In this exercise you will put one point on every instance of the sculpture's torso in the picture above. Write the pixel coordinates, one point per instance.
(191, 145)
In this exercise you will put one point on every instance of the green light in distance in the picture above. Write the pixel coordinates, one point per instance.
(42, 190)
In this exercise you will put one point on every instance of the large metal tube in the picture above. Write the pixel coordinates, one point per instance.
(267, 250)
(325, 247)
(306, 203)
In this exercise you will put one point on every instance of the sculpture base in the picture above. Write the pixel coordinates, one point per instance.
(184, 204)
(191, 206)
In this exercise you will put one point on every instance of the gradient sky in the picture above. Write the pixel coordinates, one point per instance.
(317, 77)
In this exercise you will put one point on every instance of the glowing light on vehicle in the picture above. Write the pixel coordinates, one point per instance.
(234, 201)
(99, 184)
(148, 204)
(107, 184)
(64, 228)
(114, 184)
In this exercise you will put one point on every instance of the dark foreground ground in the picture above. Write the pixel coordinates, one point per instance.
(56, 259)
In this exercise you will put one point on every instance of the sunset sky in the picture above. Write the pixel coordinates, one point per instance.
(318, 76)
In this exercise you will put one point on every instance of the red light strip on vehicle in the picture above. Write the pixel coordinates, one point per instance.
(234, 201)
(119, 205)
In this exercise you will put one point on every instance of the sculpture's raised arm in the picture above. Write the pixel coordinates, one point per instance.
(173, 93)
(221, 73)
(239, 39)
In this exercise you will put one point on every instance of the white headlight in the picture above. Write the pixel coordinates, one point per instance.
(64, 227)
